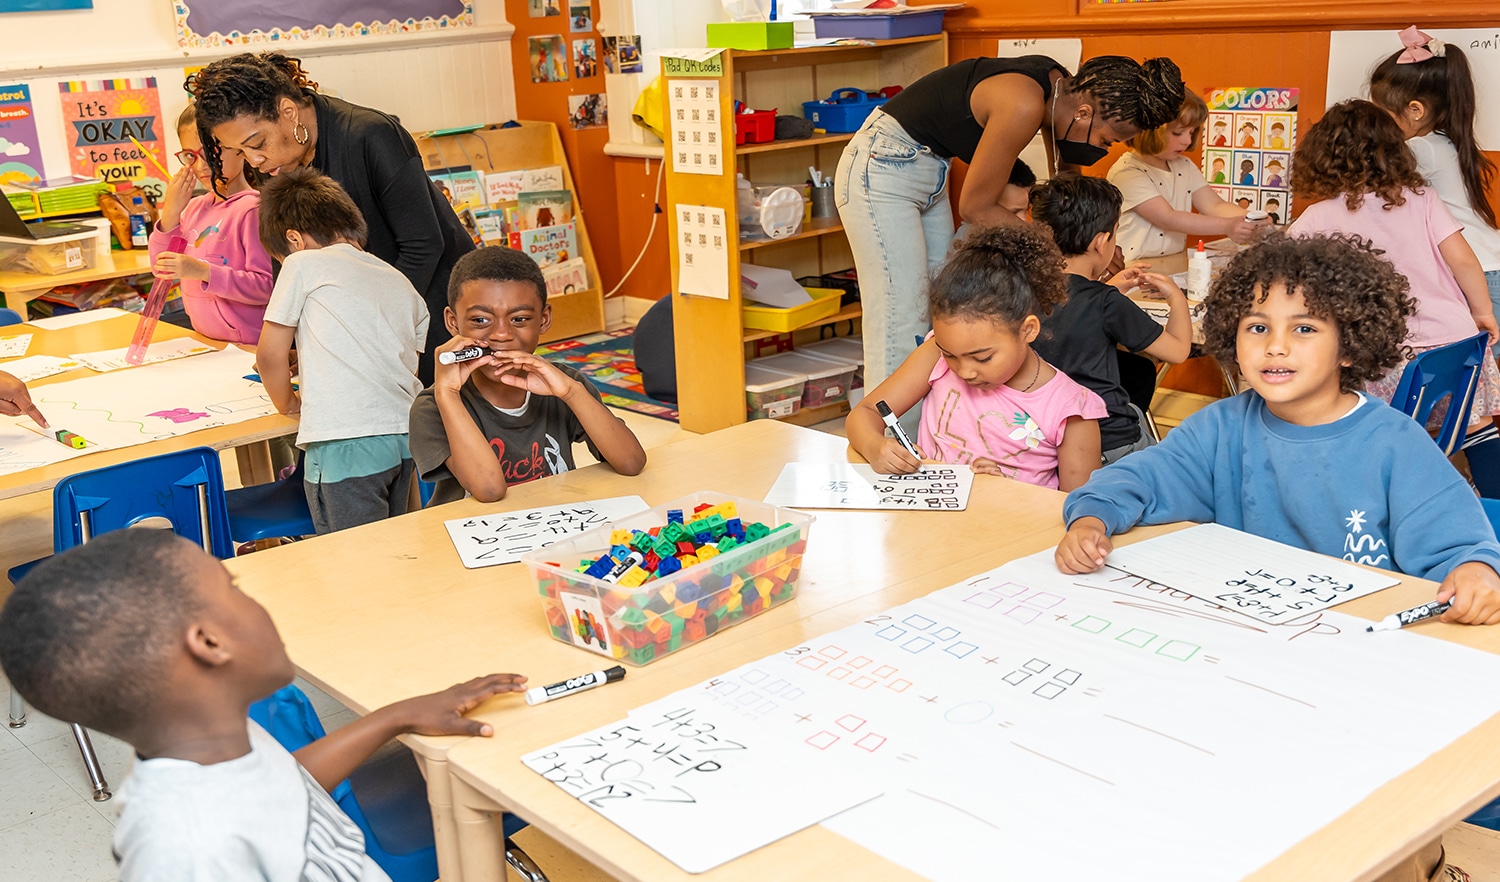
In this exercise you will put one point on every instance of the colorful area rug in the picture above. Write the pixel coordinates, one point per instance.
(608, 359)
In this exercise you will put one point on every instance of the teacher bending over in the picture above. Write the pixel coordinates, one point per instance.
(266, 108)
(892, 182)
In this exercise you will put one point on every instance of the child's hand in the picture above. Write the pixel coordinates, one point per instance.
(451, 377)
(15, 400)
(1246, 231)
(1161, 285)
(1475, 591)
(172, 265)
(893, 459)
(1487, 324)
(442, 713)
(179, 193)
(986, 466)
(535, 374)
(296, 406)
(1085, 547)
(1130, 276)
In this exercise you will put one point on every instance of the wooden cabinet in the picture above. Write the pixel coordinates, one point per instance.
(710, 339)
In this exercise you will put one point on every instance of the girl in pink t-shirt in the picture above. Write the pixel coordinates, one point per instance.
(988, 400)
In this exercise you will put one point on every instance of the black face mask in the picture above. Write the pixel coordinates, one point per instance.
(1080, 153)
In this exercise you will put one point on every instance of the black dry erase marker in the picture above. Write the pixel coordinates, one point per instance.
(890, 420)
(1397, 621)
(539, 694)
(468, 353)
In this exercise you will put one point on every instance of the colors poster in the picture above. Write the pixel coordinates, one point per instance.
(101, 116)
(20, 151)
(1247, 148)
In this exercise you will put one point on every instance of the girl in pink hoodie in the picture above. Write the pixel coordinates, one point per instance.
(224, 272)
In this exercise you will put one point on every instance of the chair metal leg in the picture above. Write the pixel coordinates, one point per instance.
(17, 710)
(522, 863)
(91, 764)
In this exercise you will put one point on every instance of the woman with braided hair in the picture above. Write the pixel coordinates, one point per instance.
(892, 182)
(265, 107)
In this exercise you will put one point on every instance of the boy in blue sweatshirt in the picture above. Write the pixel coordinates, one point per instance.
(1303, 458)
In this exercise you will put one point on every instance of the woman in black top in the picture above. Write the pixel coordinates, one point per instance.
(892, 181)
(265, 107)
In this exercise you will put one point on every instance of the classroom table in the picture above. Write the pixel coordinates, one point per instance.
(386, 611)
(247, 438)
(21, 288)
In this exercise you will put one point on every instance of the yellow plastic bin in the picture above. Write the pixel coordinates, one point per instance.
(824, 303)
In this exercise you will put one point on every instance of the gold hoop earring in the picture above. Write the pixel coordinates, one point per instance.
(300, 133)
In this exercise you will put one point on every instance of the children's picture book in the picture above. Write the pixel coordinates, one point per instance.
(568, 277)
(462, 189)
(1248, 142)
(503, 187)
(491, 225)
(549, 58)
(545, 208)
(588, 111)
(548, 245)
(546, 177)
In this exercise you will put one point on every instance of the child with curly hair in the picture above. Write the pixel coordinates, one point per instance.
(1355, 160)
(988, 399)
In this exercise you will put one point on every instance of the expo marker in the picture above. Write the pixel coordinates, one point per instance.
(468, 353)
(1396, 621)
(890, 420)
(539, 694)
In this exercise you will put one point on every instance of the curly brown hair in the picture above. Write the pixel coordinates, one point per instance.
(1342, 279)
(1001, 274)
(1354, 150)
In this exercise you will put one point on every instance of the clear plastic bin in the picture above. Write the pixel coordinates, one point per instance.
(51, 257)
(850, 349)
(771, 393)
(641, 624)
(827, 379)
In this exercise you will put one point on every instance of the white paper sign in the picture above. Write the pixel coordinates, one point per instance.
(107, 360)
(74, 319)
(694, 128)
(692, 785)
(14, 347)
(933, 487)
(501, 538)
(34, 367)
(702, 251)
(1265, 580)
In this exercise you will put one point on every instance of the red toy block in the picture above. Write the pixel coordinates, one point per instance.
(686, 547)
(701, 507)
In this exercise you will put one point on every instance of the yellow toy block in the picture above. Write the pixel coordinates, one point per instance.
(784, 572)
(776, 558)
(707, 551)
(619, 537)
(732, 601)
(728, 509)
(669, 593)
(763, 587)
(633, 577)
(686, 610)
(688, 560)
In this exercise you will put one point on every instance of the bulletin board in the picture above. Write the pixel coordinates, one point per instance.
(209, 23)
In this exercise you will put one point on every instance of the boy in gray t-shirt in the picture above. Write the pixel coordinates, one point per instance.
(358, 325)
(507, 416)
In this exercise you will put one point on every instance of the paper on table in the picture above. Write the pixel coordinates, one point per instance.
(702, 251)
(501, 538)
(14, 347)
(696, 784)
(933, 487)
(73, 319)
(107, 360)
(1262, 579)
(21, 449)
(34, 367)
(772, 286)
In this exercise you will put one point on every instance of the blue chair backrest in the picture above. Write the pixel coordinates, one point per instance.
(185, 487)
(1450, 372)
(9, 317)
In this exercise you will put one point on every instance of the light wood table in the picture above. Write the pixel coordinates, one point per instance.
(248, 437)
(1395, 821)
(386, 611)
(21, 288)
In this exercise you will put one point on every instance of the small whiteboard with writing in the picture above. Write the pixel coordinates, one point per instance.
(933, 487)
(501, 538)
(1265, 580)
(696, 785)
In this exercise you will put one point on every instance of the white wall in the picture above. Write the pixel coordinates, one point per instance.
(437, 80)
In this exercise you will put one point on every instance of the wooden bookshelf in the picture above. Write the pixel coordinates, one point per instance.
(847, 314)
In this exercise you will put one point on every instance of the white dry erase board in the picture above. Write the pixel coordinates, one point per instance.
(501, 538)
(1265, 580)
(1016, 713)
(933, 487)
(1353, 54)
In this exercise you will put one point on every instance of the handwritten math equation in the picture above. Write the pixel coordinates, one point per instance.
(503, 537)
(1275, 597)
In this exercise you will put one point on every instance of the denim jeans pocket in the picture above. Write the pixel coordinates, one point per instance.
(892, 151)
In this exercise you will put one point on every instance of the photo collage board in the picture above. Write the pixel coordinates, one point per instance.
(1247, 148)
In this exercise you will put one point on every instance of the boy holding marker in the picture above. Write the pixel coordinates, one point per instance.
(359, 326)
(496, 413)
(212, 795)
(1302, 457)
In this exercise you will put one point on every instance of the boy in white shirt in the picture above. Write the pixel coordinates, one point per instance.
(143, 636)
(359, 326)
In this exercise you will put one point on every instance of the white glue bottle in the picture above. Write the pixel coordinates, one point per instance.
(1199, 271)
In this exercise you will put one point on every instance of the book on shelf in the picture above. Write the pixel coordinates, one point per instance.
(547, 177)
(548, 245)
(567, 277)
(462, 189)
(545, 208)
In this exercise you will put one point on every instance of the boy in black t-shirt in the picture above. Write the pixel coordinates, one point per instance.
(508, 416)
(1081, 337)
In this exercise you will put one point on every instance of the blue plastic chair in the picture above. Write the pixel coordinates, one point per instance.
(1447, 372)
(270, 511)
(10, 317)
(1489, 816)
(425, 490)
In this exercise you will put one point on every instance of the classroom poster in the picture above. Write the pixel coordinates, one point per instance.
(20, 151)
(1247, 148)
(549, 58)
(43, 5)
(210, 23)
(101, 117)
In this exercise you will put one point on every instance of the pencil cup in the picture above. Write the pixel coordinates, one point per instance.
(822, 202)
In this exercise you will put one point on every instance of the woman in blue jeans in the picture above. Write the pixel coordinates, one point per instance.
(892, 181)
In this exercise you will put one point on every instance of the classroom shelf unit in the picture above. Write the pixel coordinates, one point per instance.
(710, 339)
